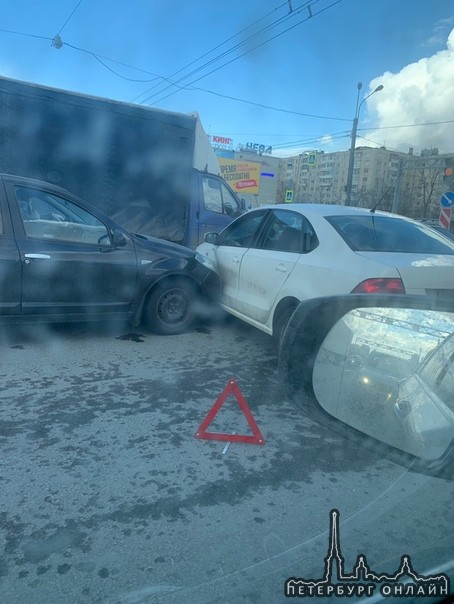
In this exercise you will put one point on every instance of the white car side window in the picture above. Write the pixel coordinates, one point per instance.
(242, 233)
(289, 232)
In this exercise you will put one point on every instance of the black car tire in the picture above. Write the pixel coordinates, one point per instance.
(169, 309)
(281, 324)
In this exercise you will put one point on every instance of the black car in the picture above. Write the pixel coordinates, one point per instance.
(61, 260)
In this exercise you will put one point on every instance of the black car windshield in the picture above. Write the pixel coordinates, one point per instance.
(377, 233)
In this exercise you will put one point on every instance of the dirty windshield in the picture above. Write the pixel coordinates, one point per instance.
(211, 390)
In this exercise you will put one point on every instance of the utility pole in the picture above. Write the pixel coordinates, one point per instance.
(351, 160)
(395, 205)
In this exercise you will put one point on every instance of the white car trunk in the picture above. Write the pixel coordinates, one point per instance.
(420, 273)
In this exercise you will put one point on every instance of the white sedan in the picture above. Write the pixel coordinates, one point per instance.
(273, 257)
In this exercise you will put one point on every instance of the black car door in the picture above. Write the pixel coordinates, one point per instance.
(68, 264)
(10, 265)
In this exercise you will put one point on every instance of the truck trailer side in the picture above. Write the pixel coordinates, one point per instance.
(134, 163)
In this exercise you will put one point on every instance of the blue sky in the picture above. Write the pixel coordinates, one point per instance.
(126, 50)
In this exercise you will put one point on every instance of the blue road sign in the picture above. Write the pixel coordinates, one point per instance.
(447, 199)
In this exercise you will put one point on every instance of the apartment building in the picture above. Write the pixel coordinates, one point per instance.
(403, 182)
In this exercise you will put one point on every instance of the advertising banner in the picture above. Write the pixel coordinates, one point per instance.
(242, 176)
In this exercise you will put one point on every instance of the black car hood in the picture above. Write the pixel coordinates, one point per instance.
(161, 246)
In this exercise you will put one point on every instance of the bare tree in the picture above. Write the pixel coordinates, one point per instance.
(427, 178)
(369, 198)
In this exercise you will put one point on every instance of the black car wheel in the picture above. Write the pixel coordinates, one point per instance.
(281, 323)
(170, 307)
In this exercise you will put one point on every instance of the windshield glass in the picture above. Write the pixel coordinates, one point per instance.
(211, 349)
(376, 233)
(438, 372)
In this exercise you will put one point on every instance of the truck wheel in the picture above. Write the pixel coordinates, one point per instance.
(169, 309)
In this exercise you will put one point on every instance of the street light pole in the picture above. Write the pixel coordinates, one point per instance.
(351, 159)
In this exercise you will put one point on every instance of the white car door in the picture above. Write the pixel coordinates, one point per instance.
(228, 255)
(265, 268)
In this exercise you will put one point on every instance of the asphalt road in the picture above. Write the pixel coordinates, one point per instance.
(108, 497)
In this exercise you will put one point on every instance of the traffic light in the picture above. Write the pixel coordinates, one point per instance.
(448, 174)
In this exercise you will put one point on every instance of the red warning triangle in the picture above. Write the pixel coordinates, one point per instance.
(232, 387)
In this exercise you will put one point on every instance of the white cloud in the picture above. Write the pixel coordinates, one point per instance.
(421, 93)
(438, 36)
(326, 140)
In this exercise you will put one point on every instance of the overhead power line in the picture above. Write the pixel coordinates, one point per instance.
(312, 141)
(407, 125)
(208, 52)
(346, 134)
(238, 45)
(99, 59)
(58, 43)
(102, 60)
(233, 98)
(249, 50)
(68, 19)
(21, 33)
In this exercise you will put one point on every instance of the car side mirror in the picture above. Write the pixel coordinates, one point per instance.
(118, 238)
(212, 238)
(381, 366)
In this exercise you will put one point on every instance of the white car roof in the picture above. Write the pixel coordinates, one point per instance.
(324, 209)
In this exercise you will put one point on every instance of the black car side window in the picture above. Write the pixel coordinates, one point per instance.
(50, 217)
